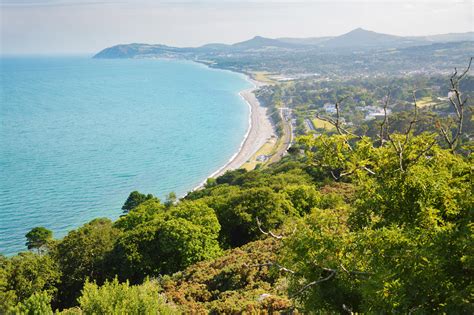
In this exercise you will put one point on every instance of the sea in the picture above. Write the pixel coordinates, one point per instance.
(78, 134)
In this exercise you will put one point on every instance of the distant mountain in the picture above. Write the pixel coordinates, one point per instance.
(360, 38)
(134, 50)
(259, 42)
(447, 38)
(214, 46)
(309, 41)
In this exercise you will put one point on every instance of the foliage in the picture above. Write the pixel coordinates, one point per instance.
(7, 295)
(134, 199)
(233, 283)
(84, 253)
(171, 199)
(143, 213)
(381, 226)
(121, 298)
(238, 212)
(25, 275)
(38, 237)
(303, 197)
(168, 240)
(401, 245)
(36, 304)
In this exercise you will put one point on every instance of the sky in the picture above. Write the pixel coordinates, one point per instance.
(87, 26)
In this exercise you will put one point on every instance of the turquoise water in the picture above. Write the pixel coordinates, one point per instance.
(77, 135)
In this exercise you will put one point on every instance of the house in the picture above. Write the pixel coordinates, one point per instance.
(374, 112)
(330, 108)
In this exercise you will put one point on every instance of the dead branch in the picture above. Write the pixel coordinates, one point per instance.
(413, 121)
(424, 151)
(332, 273)
(351, 272)
(384, 125)
(272, 264)
(279, 237)
(458, 104)
(338, 114)
(400, 147)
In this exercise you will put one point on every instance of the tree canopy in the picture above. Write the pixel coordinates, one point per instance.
(38, 237)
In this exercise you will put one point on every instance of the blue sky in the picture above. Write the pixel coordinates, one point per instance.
(73, 26)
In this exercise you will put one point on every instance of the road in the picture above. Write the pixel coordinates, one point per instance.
(286, 138)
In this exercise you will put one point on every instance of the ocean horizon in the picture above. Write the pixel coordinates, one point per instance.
(79, 134)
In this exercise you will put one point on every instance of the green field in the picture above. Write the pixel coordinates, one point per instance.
(321, 124)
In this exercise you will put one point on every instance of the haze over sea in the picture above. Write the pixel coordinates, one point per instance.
(77, 135)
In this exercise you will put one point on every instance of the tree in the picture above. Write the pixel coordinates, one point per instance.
(170, 199)
(8, 296)
(169, 241)
(142, 213)
(303, 197)
(85, 253)
(38, 237)
(26, 274)
(134, 199)
(407, 229)
(238, 212)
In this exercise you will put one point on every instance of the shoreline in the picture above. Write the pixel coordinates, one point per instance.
(260, 129)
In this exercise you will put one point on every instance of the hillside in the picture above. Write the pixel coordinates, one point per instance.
(259, 42)
(345, 227)
(357, 53)
(360, 38)
(356, 39)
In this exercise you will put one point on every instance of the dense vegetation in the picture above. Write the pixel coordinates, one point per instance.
(346, 223)
(361, 96)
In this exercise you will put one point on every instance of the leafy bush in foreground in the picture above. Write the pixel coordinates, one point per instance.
(404, 244)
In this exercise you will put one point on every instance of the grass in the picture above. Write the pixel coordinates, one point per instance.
(321, 124)
(425, 101)
(267, 149)
(262, 76)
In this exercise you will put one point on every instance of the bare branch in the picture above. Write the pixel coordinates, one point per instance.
(466, 71)
(279, 237)
(384, 124)
(272, 264)
(338, 114)
(413, 121)
(424, 151)
(452, 137)
(455, 106)
(445, 134)
(368, 170)
(350, 272)
(332, 273)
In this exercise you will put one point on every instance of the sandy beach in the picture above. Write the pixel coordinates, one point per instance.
(259, 132)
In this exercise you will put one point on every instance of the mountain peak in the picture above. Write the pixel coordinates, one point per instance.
(258, 42)
(361, 32)
(360, 37)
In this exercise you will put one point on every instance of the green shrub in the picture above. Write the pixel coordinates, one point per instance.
(121, 298)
